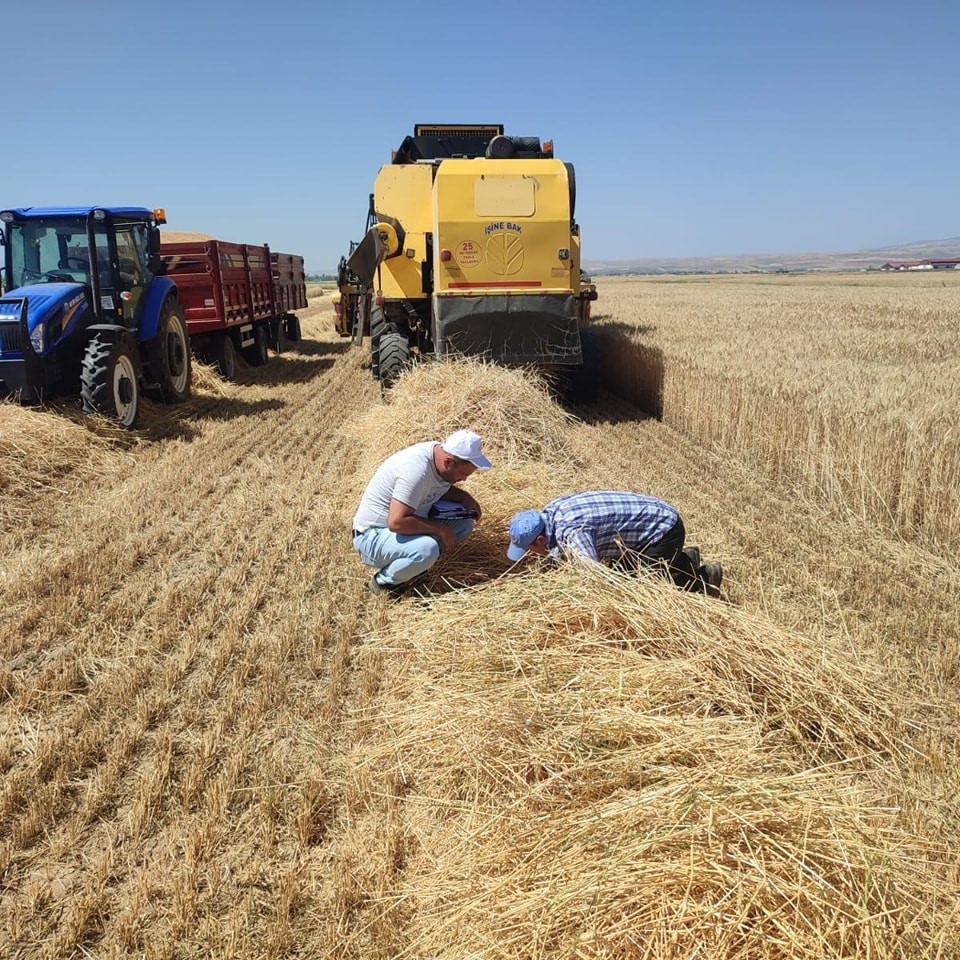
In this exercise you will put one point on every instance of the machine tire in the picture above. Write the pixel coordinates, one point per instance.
(393, 357)
(170, 354)
(379, 324)
(500, 148)
(583, 384)
(378, 327)
(256, 354)
(293, 328)
(109, 379)
(225, 356)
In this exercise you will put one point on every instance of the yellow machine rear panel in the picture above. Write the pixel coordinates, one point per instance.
(506, 225)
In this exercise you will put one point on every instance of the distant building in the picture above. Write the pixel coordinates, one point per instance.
(921, 265)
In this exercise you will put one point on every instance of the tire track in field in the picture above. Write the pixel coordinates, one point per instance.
(128, 611)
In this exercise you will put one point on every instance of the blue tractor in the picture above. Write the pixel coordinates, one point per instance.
(86, 310)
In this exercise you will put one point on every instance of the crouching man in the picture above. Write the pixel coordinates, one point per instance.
(411, 512)
(618, 528)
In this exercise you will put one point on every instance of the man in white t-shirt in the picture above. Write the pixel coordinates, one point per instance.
(399, 527)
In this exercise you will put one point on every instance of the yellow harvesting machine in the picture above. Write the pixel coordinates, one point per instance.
(471, 248)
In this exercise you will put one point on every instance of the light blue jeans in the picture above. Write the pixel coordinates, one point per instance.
(400, 557)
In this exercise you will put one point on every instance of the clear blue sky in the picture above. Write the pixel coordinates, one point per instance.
(696, 128)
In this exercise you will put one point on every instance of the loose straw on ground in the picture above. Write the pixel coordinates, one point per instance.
(597, 761)
(578, 762)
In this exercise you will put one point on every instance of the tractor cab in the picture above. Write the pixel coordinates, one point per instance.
(87, 309)
(113, 252)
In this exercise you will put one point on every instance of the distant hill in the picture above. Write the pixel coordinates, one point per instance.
(781, 262)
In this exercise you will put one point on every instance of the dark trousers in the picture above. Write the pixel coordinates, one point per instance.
(666, 556)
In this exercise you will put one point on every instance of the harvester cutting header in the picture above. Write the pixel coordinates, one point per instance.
(471, 248)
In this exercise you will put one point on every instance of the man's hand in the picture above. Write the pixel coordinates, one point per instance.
(446, 536)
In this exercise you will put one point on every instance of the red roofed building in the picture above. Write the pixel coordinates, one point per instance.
(921, 265)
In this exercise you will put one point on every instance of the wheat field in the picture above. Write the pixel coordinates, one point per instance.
(215, 743)
(848, 383)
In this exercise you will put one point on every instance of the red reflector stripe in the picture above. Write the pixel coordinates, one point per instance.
(495, 283)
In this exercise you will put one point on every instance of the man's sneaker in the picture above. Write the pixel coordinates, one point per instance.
(380, 589)
(712, 576)
(693, 555)
(396, 590)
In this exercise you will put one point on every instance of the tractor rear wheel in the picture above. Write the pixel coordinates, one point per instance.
(256, 354)
(393, 357)
(109, 383)
(225, 356)
(170, 354)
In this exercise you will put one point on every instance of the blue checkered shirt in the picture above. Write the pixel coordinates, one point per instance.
(601, 524)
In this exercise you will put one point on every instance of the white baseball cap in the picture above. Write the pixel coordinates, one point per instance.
(466, 445)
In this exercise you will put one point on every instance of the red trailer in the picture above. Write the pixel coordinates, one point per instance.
(290, 291)
(236, 296)
(288, 278)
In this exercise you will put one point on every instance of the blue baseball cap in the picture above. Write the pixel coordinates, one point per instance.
(525, 527)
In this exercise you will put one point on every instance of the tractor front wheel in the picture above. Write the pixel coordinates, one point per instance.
(109, 383)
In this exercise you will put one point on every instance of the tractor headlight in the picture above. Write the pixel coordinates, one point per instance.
(38, 336)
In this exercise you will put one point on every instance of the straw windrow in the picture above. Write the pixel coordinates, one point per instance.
(577, 768)
(576, 762)
(44, 452)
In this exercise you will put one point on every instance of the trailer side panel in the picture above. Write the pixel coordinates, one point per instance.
(221, 284)
(289, 282)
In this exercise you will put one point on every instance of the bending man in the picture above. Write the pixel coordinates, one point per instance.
(399, 527)
(618, 528)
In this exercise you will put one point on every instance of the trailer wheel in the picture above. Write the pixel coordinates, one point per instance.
(256, 354)
(293, 328)
(109, 383)
(393, 357)
(225, 356)
(170, 354)
(278, 335)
